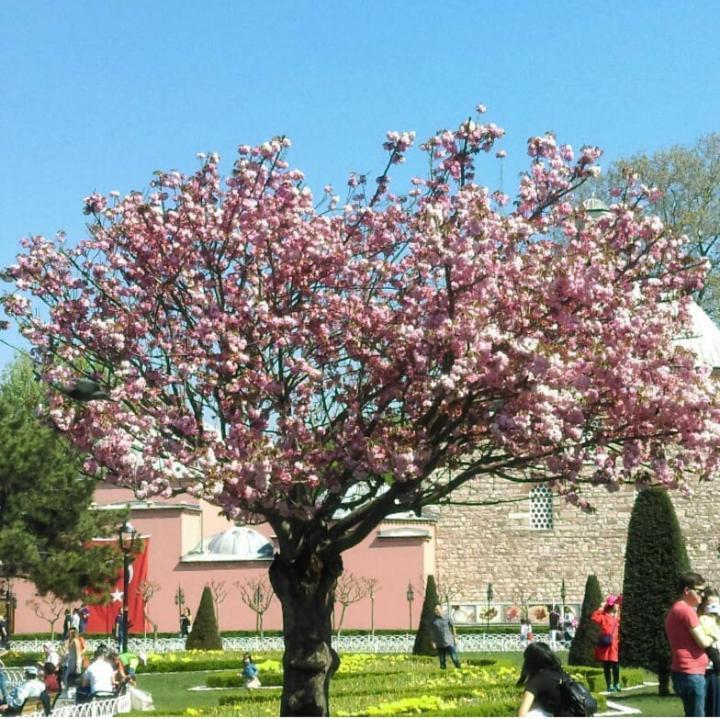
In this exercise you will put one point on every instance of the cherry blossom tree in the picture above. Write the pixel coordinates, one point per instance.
(320, 367)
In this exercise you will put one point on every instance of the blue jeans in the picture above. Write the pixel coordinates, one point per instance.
(442, 655)
(3, 687)
(691, 689)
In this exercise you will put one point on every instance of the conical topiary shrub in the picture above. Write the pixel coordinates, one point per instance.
(582, 649)
(655, 557)
(204, 634)
(424, 637)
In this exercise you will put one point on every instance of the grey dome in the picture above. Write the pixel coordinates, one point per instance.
(240, 543)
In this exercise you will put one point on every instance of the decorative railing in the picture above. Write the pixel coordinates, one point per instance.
(380, 643)
(109, 707)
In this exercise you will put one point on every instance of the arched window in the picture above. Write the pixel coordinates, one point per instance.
(541, 508)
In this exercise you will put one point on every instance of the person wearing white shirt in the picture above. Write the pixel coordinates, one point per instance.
(31, 687)
(99, 677)
(51, 655)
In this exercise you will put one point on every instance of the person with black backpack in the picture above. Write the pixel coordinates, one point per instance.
(549, 691)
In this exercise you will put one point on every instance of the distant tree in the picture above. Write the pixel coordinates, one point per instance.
(424, 637)
(654, 558)
(147, 590)
(219, 593)
(373, 585)
(50, 608)
(350, 590)
(522, 599)
(46, 521)
(582, 649)
(256, 594)
(447, 590)
(689, 178)
(204, 634)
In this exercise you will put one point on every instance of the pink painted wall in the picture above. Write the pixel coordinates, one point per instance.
(174, 529)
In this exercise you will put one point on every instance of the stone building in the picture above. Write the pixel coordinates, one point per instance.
(526, 547)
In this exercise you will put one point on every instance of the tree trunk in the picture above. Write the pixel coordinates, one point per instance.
(663, 683)
(305, 587)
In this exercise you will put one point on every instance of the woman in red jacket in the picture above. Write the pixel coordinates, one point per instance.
(607, 649)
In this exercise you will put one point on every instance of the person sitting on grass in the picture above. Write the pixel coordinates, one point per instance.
(250, 673)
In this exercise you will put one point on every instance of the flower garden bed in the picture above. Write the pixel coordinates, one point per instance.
(381, 685)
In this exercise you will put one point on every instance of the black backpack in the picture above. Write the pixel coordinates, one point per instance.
(577, 701)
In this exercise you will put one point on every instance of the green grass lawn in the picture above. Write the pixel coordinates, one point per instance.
(377, 685)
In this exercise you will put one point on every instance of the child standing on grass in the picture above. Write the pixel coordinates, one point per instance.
(250, 673)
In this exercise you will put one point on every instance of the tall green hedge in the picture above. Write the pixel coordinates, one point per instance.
(204, 634)
(582, 649)
(654, 558)
(424, 637)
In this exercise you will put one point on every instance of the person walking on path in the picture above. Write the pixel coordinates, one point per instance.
(690, 646)
(250, 673)
(444, 638)
(607, 650)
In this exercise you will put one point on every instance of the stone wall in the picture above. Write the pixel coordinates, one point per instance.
(479, 545)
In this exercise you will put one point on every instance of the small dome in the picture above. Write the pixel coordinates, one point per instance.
(240, 543)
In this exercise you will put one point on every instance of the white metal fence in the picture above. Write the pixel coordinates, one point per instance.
(380, 643)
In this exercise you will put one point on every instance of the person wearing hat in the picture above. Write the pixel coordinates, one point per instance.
(607, 649)
(31, 687)
(709, 612)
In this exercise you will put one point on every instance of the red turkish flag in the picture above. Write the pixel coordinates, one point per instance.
(102, 616)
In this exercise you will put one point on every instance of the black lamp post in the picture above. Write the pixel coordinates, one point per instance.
(126, 538)
(410, 596)
(562, 595)
(489, 596)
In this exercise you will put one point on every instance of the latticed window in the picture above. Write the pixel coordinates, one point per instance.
(541, 508)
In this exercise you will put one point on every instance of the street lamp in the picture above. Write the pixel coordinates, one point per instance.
(489, 595)
(126, 538)
(410, 596)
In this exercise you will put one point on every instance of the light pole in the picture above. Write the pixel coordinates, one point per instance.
(410, 596)
(489, 595)
(126, 539)
(180, 601)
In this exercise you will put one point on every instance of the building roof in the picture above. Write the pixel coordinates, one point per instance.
(703, 338)
(237, 544)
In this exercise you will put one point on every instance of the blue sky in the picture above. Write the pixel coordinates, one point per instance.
(98, 95)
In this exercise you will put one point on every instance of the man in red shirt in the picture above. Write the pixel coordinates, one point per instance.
(688, 643)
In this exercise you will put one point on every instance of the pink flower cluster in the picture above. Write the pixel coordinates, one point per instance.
(281, 362)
